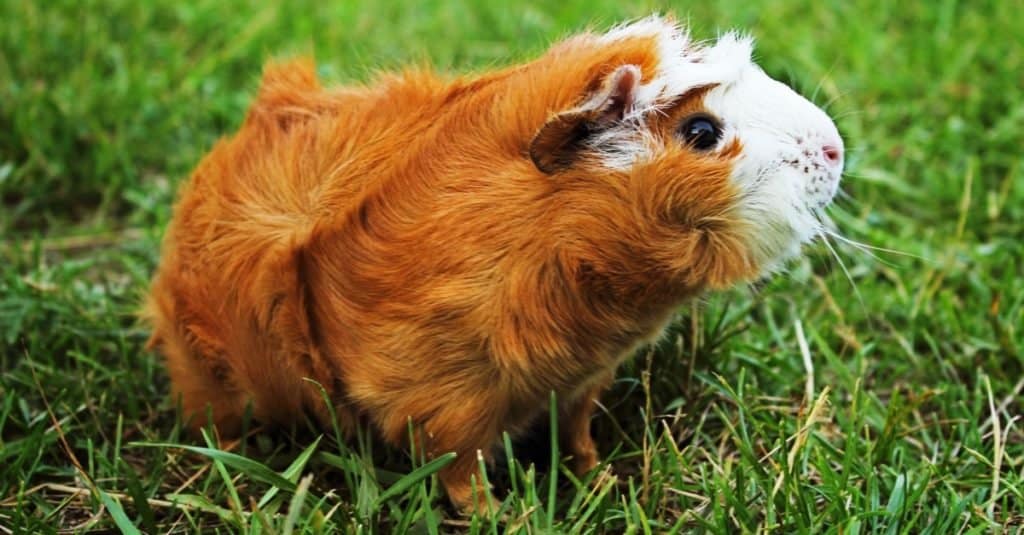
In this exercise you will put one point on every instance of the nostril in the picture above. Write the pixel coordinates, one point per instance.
(833, 154)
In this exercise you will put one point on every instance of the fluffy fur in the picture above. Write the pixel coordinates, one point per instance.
(447, 252)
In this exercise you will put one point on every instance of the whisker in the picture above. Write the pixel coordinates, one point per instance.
(848, 175)
(862, 247)
(821, 82)
(841, 193)
(847, 113)
(835, 254)
(814, 96)
(828, 105)
(865, 247)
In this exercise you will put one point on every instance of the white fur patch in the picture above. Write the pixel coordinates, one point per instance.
(683, 65)
(782, 172)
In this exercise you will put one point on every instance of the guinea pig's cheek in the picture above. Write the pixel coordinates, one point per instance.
(774, 208)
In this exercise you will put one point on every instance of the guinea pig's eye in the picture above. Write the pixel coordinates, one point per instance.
(701, 132)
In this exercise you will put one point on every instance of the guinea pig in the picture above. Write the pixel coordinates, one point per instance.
(439, 254)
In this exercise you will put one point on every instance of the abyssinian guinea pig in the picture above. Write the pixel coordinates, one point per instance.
(444, 253)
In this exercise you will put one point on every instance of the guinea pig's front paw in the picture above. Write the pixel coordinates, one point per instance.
(470, 499)
(584, 461)
(462, 482)
(482, 504)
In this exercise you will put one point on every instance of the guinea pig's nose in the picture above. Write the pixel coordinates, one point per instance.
(833, 154)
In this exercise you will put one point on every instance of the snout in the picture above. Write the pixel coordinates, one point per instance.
(833, 153)
(821, 163)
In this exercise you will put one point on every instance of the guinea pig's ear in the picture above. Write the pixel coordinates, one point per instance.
(557, 143)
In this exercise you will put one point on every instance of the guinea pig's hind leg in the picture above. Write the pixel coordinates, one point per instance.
(574, 429)
(471, 431)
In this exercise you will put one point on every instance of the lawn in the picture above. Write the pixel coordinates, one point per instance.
(866, 391)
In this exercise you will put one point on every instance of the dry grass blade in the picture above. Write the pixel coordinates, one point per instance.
(816, 415)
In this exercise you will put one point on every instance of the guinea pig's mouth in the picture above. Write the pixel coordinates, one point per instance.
(786, 210)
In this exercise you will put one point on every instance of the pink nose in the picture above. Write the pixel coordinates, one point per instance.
(833, 154)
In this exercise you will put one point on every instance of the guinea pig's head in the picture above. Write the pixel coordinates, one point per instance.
(714, 149)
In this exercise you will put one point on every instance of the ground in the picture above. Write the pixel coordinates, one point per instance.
(883, 396)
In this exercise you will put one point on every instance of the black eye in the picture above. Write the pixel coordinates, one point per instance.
(701, 132)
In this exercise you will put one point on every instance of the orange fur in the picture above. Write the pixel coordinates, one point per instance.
(395, 244)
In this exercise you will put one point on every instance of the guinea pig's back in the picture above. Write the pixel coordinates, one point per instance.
(226, 305)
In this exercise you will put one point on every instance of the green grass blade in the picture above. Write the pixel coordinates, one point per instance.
(140, 501)
(295, 507)
(293, 471)
(555, 458)
(247, 466)
(117, 513)
(203, 504)
(414, 477)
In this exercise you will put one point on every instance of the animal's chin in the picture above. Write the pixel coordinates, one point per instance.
(786, 239)
(777, 262)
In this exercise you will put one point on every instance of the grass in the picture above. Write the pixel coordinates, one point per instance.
(887, 401)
